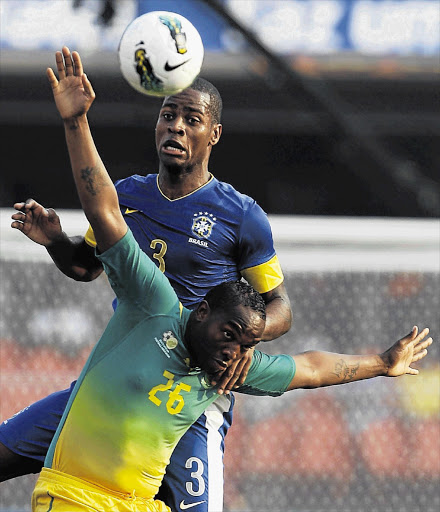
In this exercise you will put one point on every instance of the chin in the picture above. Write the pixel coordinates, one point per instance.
(174, 167)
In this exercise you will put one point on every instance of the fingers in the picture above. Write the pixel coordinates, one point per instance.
(59, 60)
(52, 78)
(17, 225)
(78, 67)
(414, 336)
(67, 64)
(222, 381)
(29, 204)
(420, 350)
(235, 375)
(88, 86)
(423, 333)
(25, 212)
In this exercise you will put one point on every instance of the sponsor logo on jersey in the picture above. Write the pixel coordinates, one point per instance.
(203, 223)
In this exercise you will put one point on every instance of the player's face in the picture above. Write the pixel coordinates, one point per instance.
(221, 337)
(184, 132)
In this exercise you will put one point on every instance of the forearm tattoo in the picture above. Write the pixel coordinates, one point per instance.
(345, 372)
(88, 175)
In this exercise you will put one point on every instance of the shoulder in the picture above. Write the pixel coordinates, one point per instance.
(136, 181)
(231, 197)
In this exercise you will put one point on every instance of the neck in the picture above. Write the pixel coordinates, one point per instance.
(176, 185)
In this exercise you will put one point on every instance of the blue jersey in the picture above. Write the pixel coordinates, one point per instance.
(212, 235)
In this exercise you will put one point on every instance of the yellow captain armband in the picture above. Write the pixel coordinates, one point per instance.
(90, 237)
(264, 277)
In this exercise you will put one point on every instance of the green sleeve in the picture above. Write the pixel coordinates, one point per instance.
(268, 375)
(136, 279)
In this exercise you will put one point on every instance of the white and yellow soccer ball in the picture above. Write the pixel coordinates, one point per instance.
(160, 53)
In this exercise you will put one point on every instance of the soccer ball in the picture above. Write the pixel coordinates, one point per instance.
(160, 53)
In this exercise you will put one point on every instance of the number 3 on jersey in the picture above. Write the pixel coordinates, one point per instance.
(175, 401)
(162, 249)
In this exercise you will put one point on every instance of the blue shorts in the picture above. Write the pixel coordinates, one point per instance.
(194, 477)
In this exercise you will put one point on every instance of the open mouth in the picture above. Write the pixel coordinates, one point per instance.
(222, 365)
(172, 147)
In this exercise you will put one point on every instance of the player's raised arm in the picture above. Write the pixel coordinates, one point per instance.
(319, 369)
(73, 94)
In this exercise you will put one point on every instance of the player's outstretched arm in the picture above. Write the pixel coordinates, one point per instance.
(319, 369)
(72, 255)
(73, 94)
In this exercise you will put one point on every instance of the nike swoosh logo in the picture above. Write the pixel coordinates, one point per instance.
(185, 506)
(170, 68)
(130, 211)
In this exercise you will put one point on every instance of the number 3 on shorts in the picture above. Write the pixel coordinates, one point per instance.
(197, 474)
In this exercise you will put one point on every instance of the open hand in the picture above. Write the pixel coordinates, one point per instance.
(36, 222)
(72, 91)
(235, 375)
(405, 352)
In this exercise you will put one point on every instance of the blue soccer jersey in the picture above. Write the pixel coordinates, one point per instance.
(212, 235)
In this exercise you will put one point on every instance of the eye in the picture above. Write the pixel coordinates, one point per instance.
(193, 120)
(167, 115)
(228, 334)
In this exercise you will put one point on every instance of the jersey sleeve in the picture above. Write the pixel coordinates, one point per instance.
(268, 375)
(135, 278)
(258, 262)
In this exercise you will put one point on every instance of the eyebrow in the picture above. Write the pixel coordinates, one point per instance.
(236, 326)
(187, 108)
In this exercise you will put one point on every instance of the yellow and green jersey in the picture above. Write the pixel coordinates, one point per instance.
(137, 394)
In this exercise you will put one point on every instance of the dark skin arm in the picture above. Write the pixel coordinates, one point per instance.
(75, 258)
(72, 255)
(318, 369)
(278, 313)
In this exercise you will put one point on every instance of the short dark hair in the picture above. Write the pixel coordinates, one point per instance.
(236, 293)
(216, 103)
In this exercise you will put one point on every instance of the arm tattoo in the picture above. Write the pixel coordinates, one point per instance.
(345, 372)
(87, 175)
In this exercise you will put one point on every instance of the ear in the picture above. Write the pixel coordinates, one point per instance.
(202, 311)
(216, 134)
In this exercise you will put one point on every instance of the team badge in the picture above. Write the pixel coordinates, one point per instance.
(203, 223)
(169, 339)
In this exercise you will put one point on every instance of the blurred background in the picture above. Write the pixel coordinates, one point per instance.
(332, 123)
